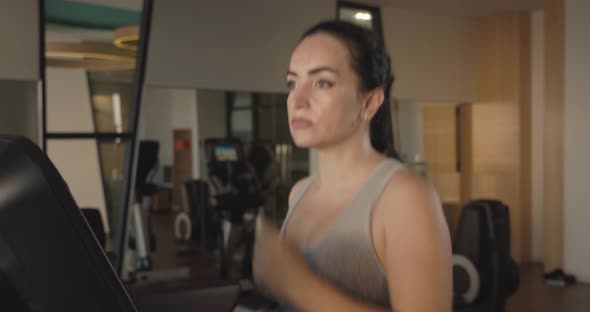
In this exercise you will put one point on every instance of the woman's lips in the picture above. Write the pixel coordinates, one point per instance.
(301, 123)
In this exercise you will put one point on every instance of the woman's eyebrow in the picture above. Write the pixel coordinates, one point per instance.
(321, 69)
(315, 71)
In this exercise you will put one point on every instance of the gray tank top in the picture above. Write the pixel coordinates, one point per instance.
(345, 255)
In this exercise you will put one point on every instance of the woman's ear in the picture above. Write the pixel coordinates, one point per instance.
(373, 101)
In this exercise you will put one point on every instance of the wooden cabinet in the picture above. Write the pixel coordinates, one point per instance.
(440, 137)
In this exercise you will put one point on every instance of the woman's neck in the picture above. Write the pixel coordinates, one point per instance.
(339, 163)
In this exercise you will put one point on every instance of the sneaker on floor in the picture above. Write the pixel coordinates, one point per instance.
(570, 279)
(555, 278)
(559, 278)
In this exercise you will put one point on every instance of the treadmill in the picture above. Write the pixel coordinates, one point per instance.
(50, 259)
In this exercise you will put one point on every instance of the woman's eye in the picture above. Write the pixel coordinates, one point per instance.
(324, 84)
(290, 85)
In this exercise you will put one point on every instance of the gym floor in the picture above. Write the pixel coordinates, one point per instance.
(171, 254)
(533, 295)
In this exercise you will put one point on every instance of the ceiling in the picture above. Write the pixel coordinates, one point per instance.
(459, 7)
(65, 33)
(96, 15)
(134, 5)
(436, 7)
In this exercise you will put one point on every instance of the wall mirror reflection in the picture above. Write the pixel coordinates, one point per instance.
(90, 57)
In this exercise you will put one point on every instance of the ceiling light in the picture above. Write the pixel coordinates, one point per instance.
(89, 55)
(127, 37)
(363, 16)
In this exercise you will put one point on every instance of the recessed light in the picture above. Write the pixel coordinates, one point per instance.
(363, 16)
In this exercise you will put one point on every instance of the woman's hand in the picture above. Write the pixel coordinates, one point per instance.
(278, 267)
(281, 272)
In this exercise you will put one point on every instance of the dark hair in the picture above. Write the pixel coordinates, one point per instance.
(370, 61)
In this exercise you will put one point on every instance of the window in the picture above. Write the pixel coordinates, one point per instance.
(241, 110)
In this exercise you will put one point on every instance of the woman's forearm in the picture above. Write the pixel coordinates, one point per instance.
(311, 293)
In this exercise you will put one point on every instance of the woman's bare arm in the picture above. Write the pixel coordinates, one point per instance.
(416, 245)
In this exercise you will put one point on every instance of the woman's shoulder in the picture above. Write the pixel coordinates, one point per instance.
(407, 190)
(297, 188)
(409, 213)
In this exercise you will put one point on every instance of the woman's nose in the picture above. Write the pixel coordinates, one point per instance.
(300, 97)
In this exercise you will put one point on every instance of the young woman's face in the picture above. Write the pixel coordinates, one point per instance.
(324, 102)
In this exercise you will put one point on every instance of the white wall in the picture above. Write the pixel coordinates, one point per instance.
(68, 101)
(19, 68)
(226, 44)
(19, 109)
(577, 144)
(156, 124)
(212, 121)
(162, 111)
(246, 45)
(19, 54)
(69, 110)
(537, 104)
(409, 119)
(433, 56)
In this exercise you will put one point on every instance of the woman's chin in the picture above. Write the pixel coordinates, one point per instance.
(304, 142)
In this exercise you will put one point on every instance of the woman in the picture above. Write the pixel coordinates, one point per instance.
(364, 233)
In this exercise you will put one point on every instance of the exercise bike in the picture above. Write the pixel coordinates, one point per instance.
(237, 198)
(484, 273)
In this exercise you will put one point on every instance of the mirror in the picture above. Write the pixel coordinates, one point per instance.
(181, 121)
(91, 51)
(198, 234)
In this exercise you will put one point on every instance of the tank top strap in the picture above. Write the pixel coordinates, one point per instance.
(376, 185)
(357, 217)
(295, 200)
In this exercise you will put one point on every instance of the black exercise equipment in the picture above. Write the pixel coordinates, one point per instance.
(484, 273)
(201, 215)
(261, 158)
(147, 165)
(237, 199)
(94, 220)
(49, 258)
(51, 261)
(142, 237)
